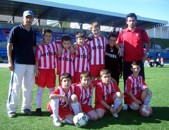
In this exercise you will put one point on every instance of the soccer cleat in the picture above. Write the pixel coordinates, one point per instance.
(115, 115)
(26, 111)
(38, 112)
(125, 107)
(11, 114)
(57, 123)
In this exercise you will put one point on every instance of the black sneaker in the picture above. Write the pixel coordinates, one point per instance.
(38, 111)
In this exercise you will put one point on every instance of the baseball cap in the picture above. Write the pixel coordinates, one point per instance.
(28, 12)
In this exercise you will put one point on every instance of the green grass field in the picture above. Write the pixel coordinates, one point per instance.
(156, 78)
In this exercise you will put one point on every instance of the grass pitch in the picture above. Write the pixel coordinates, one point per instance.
(156, 78)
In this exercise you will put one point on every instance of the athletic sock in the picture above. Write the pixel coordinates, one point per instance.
(39, 97)
(117, 103)
(75, 107)
(147, 99)
(55, 108)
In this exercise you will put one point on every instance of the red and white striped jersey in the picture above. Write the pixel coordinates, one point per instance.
(82, 58)
(60, 91)
(104, 91)
(46, 55)
(66, 62)
(135, 84)
(97, 50)
(84, 95)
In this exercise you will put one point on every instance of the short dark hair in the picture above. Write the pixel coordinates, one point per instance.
(44, 31)
(66, 37)
(131, 15)
(65, 75)
(113, 34)
(80, 35)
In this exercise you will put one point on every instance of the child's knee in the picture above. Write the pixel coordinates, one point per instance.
(74, 98)
(100, 114)
(118, 95)
(94, 117)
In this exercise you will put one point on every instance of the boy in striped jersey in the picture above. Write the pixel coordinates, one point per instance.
(108, 95)
(84, 91)
(81, 56)
(63, 101)
(45, 67)
(66, 58)
(136, 90)
(97, 46)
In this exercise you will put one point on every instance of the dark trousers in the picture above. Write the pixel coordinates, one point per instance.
(127, 70)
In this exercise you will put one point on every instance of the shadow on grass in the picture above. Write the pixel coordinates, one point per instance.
(44, 114)
(125, 118)
(131, 118)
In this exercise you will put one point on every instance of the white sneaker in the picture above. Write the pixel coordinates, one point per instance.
(51, 116)
(115, 115)
(125, 107)
(57, 123)
(11, 114)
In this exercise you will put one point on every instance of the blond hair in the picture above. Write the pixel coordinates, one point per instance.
(94, 24)
(104, 71)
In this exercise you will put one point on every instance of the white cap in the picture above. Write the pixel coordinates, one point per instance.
(27, 13)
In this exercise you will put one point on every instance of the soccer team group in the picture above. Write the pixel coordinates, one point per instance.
(87, 67)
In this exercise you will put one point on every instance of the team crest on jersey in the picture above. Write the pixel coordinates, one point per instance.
(111, 50)
(137, 34)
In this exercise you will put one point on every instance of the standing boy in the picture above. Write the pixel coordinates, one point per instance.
(81, 56)
(21, 60)
(66, 58)
(113, 61)
(108, 95)
(136, 90)
(45, 67)
(97, 47)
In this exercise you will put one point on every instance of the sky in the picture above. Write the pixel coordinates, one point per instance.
(155, 9)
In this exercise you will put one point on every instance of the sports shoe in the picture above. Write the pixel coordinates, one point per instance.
(51, 116)
(38, 111)
(115, 115)
(26, 111)
(125, 107)
(57, 123)
(12, 114)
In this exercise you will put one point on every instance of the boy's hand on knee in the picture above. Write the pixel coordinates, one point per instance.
(66, 100)
(112, 110)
